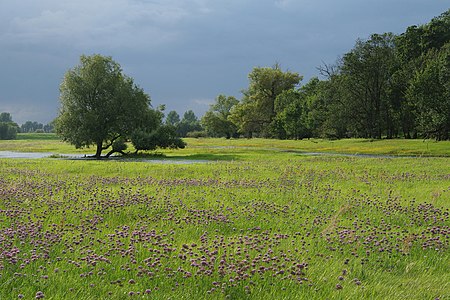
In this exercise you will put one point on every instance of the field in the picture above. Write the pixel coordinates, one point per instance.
(240, 219)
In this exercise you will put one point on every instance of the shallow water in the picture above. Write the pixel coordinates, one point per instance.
(35, 155)
(12, 154)
(344, 154)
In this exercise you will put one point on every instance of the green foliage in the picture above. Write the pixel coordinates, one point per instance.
(430, 91)
(197, 134)
(8, 131)
(5, 117)
(421, 51)
(164, 136)
(385, 87)
(189, 123)
(99, 104)
(216, 120)
(366, 72)
(173, 118)
(30, 126)
(8, 128)
(119, 145)
(257, 110)
(298, 111)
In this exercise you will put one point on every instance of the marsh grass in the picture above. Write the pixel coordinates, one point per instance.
(223, 149)
(265, 224)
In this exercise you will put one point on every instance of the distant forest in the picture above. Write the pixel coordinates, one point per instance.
(9, 128)
(387, 86)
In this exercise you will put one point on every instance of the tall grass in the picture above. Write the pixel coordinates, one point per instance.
(47, 142)
(266, 224)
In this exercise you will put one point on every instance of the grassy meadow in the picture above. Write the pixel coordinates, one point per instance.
(228, 219)
(48, 142)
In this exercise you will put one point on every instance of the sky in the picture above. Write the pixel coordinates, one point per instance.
(183, 53)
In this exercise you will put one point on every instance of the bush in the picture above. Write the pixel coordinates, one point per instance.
(197, 134)
(8, 130)
(164, 136)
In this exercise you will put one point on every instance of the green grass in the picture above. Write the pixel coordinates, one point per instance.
(222, 149)
(266, 223)
(396, 147)
(38, 136)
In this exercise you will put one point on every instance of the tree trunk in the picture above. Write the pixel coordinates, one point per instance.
(98, 153)
(114, 151)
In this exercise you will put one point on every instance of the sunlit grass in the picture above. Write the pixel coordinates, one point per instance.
(245, 220)
(223, 149)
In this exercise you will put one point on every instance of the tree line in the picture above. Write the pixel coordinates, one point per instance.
(387, 86)
(9, 128)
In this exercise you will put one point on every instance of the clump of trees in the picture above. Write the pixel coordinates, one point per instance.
(255, 113)
(33, 126)
(216, 120)
(387, 86)
(102, 107)
(8, 128)
(188, 126)
(163, 136)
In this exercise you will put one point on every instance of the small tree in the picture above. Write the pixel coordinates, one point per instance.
(8, 129)
(164, 136)
(5, 117)
(188, 124)
(173, 118)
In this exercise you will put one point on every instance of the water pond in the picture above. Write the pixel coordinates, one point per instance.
(35, 155)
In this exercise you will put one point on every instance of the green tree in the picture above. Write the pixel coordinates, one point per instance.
(430, 91)
(257, 109)
(412, 49)
(189, 123)
(173, 118)
(30, 126)
(328, 113)
(246, 118)
(288, 122)
(190, 117)
(294, 118)
(5, 117)
(164, 136)
(367, 71)
(99, 104)
(216, 121)
(8, 128)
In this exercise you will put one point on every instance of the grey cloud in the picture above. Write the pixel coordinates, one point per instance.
(181, 51)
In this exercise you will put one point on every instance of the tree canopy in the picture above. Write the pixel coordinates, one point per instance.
(189, 123)
(386, 86)
(216, 119)
(99, 105)
(8, 128)
(256, 111)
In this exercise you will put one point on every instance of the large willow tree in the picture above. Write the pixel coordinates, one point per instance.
(99, 104)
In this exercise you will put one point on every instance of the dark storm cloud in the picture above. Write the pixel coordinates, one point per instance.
(183, 53)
